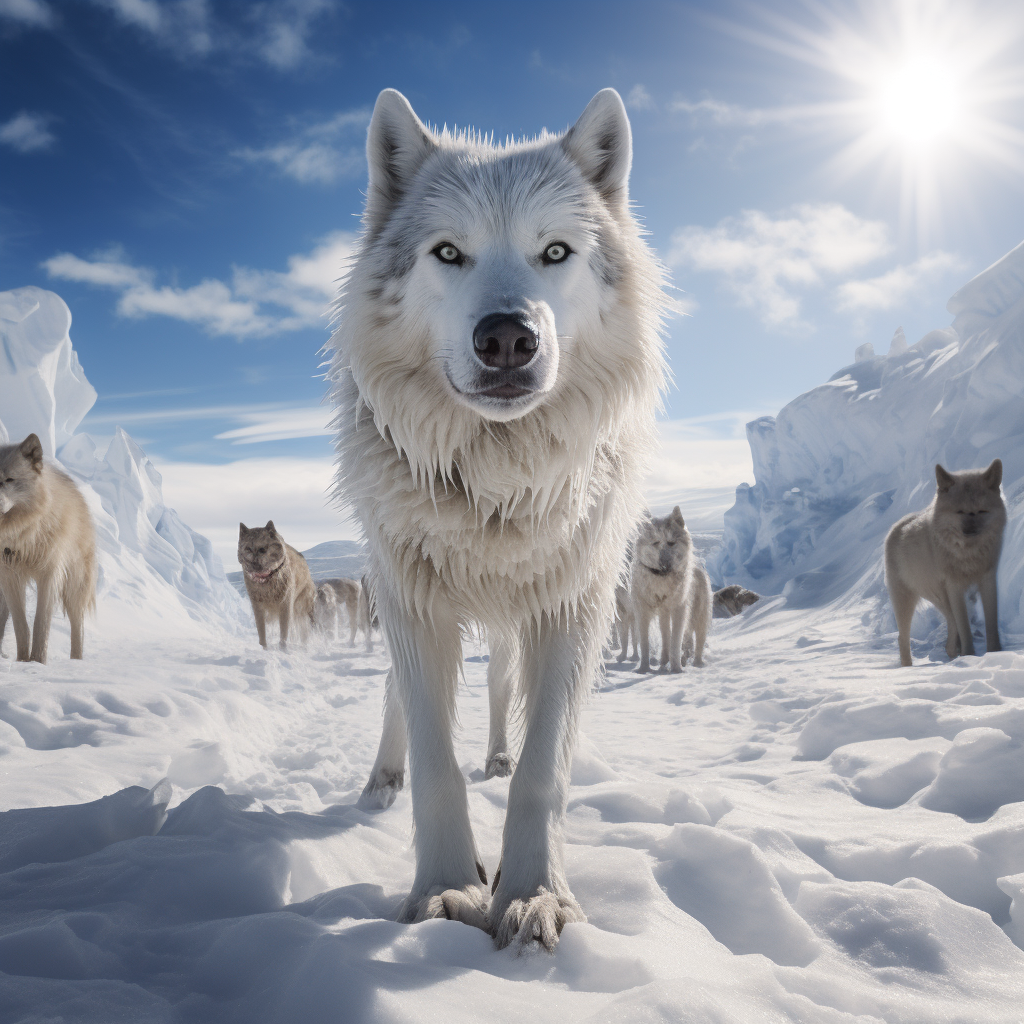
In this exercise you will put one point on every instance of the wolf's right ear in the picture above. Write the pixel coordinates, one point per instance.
(943, 479)
(601, 144)
(397, 143)
(32, 449)
(242, 529)
(994, 474)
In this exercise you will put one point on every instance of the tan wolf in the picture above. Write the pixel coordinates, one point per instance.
(731, 600)
(941, 551)
(659, 577)
(497, 369)
(46, 535)
(277, 580)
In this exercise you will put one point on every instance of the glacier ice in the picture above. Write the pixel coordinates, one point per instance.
(146, 552)
(842, 462)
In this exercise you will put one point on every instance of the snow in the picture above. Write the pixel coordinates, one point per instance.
(799, 832)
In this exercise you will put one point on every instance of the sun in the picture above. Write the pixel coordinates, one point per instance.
(921, 102)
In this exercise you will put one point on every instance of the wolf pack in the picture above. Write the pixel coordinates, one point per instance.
(497, 366)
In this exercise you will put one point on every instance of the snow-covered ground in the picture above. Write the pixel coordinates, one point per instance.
(801, 831)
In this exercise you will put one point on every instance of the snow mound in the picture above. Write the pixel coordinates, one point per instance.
(154, 569)
(842, 462)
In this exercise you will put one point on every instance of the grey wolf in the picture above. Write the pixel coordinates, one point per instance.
(731, 600)
(658, 581)
(277, 580)
(46, 535)
(350, 594)
(943, 550)
(497, 368)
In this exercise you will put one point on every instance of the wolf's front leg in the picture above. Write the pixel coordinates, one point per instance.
(44, 616)
(284, 617)
(990, 602)
(958, 608)
(388, 774)
(450, 879)
(531, 896)
(501, 673)
(643, 621)
(14, 596)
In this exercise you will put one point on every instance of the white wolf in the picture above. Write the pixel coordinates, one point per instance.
(943, 550)
(497, 369)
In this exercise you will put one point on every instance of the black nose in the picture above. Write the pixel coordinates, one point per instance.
(505, 340)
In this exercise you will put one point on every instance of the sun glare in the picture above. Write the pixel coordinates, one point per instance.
(920, 102)
(922, 94)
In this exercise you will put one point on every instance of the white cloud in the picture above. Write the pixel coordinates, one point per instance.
(732, 115)
(28, 12)
(256, 303)
(27, 133)
(294, 492)
(766, 261)
(321, 153)
(639, 98)
(890, 289)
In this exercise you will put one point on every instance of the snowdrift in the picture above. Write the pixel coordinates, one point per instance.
(841, 463)
(154, 569)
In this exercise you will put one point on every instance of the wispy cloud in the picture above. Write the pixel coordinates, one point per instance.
(280, 425)
(639, 98)
(766, 262)
(277, 34)
(34, 13)
(895, 286)
(320, 153)
(254, 303)
(253, 422)
(27, 133)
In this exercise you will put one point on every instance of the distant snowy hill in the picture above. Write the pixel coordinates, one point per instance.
(154, 569)
(331, 558)
(841, 463)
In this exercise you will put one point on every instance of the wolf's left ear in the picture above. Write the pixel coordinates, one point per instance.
(994, 474)
(397, 143)
(677, 516)
(32, 449)
(601, 144)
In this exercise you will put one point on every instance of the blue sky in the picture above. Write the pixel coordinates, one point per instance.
(187, 175)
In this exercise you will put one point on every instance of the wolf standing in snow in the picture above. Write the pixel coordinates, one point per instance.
(666, 582)
(277, 580)
(943, 550)
(46, 535)
(497, 368)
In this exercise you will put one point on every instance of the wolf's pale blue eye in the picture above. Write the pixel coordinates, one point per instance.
(447, 253)
(556, 252)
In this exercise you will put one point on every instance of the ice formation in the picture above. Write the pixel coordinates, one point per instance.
(147, 554)
(842, 462)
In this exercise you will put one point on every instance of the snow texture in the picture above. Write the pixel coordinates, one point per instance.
(798, 832)
(152, 565)
(841, 463)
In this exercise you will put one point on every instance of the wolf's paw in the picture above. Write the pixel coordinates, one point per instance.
(499, 766)
(641, 667)
(381, 790)
(468, 905)
(537, 919)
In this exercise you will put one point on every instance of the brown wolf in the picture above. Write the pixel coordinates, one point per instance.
(277, 580)
(941, 551)
(46, 535)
